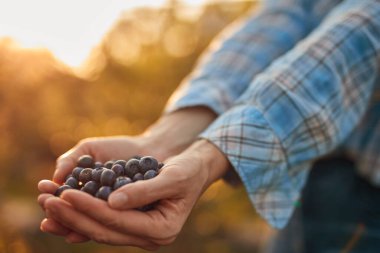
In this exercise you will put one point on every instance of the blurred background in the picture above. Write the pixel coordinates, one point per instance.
(76, 69)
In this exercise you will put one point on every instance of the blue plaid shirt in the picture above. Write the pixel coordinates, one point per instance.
(291, 83)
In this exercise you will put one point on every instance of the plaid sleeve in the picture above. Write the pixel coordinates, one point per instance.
(301, 107)
(244, 50)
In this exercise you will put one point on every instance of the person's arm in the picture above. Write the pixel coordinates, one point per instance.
(264, 38)
(301, 108)
(244, 50)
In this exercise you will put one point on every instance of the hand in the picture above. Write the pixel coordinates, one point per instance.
(168, 136)
(104, 149)
(176, 188)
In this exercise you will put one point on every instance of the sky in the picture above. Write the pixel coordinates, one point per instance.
(68, 28)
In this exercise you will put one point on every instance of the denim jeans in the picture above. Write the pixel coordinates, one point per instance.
(339, 212)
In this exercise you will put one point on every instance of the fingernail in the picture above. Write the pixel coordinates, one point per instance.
(118, 200)
(42, 227)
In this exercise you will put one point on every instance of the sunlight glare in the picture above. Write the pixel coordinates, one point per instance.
(70, 29)
(195, 2)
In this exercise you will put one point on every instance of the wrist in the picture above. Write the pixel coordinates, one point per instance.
(215, 163)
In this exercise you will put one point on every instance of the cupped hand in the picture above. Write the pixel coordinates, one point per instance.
(103, 149)
(170, 135)
(174, 191)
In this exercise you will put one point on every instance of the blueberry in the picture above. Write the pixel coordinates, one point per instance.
(148, 163)
(121, 181)
(85, 161)
(138, 176)
(72, 182)
(76, 171)
(150, 174)
(136, 157)
(107, 178)
(121, 162)
(103, 192)
(132, 167)
(108, 164)
(160, 165)
(98, 165)
(68, 176)
(91, 187)
(60, 189)
(85, 175)
(118, 169)
(96, 173)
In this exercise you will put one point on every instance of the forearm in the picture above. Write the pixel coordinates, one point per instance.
(176, 131)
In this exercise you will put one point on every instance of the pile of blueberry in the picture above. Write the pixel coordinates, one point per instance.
(100, 179)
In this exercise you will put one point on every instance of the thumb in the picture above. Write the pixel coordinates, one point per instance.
(66, 162)
(142, 193)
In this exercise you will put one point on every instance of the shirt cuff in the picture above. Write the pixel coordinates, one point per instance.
(259, 159)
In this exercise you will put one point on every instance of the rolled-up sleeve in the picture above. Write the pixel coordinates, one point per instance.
(244, 50)
(301, 107)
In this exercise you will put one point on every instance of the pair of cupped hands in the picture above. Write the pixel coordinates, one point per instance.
(191, 166)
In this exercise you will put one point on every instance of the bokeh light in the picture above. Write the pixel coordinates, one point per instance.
(70, 28)
(136, 58)
(180, 40)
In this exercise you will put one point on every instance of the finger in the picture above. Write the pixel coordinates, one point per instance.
(74, 237)
(42, 198)
(67, 161)
(64, 213)
(129, 221)
(142, 193)
(51, 226)
(47, 186)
